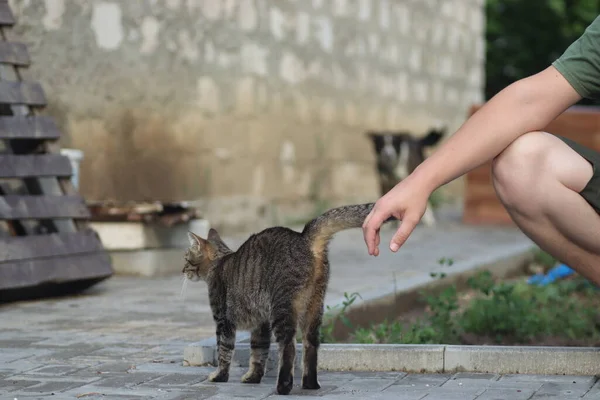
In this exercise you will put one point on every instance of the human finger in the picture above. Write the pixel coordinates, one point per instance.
(406, 227)
(371, 229)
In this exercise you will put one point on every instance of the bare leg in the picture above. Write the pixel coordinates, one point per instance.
(538, 179)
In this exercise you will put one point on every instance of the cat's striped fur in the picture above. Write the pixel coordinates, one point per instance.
(274, 283)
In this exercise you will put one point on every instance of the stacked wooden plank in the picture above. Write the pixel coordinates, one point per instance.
(46, 245)
(481, 205)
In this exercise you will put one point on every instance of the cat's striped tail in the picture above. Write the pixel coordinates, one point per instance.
(322, 228)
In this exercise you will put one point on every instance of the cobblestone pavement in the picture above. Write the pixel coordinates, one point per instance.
(124, 338)
(31, 369)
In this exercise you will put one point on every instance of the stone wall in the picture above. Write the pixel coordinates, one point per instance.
(256, 109)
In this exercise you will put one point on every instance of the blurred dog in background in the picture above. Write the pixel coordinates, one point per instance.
(398, 154)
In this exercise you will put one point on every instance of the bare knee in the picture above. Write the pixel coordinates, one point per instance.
(516, 171)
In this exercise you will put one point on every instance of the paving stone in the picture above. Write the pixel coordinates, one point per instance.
(406, 392)
(54, 370)
(55, 396)
(18, 342)
(465, 381)
(475, 376)
(117, 351)
(19, 366)
(87, 391)
(126, 380)
(348, 375)
(49, 387)
(592, 395)
(8, 355)
(174, 380)
(363, 385)
(521, 385)
(9, 385)
(294, 397)
(505, 393)
(236, 389)
(548, 378)
(73, 351)
(104, 369)
(194, 396)
(563, 390)
(594, 392)
(425, 380)
(164, 369)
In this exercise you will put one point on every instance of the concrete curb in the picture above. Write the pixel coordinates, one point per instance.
(426, 358)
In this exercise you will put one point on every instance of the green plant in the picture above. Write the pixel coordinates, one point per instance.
(442, 261)
(505, 311)
(385, 332)
(524, 313)
(337, 312)
(441, 314)
(543, 258)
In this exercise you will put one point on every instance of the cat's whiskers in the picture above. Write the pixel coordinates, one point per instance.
(183, 286)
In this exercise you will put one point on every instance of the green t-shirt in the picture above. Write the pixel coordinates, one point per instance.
(580, 63)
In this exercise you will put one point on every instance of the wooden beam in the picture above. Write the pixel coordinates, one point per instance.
(14, 53)
(6, 15)
(40, 165)
(20, 248)
(42, 207)
(22, 274)
(26, 93)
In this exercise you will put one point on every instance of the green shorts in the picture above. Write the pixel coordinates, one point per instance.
(591, 192)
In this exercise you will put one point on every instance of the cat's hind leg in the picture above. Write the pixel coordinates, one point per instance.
(225, 347)
(311, 326)
(284, 327)
(260, 341)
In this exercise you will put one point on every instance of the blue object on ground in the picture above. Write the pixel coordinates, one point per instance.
(559, 272)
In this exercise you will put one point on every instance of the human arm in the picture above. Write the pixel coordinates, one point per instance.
(527, 105)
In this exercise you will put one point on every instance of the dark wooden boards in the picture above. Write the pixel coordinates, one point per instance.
(34, 127)
(51, 250)
(55, 270)
(14, 53)
(51, 245)
(14, 207)
(27, 93)
(6, 15)
(39, 165)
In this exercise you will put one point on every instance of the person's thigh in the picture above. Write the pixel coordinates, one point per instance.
(572, 167)
(543, 179)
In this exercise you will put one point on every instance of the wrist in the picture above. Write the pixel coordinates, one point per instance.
(425, 178)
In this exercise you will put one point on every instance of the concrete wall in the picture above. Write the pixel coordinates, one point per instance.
(251, 107)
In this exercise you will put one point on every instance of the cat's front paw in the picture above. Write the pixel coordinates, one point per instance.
(252, 377)
(218, 376)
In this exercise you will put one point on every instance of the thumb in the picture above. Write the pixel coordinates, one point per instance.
(407, 225)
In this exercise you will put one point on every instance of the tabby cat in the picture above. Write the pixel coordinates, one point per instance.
(275, 282)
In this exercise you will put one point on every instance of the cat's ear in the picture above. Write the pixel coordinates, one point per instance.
(195, 240)
(213, 235)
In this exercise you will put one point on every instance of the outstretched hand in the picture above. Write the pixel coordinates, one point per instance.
(406, 202)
